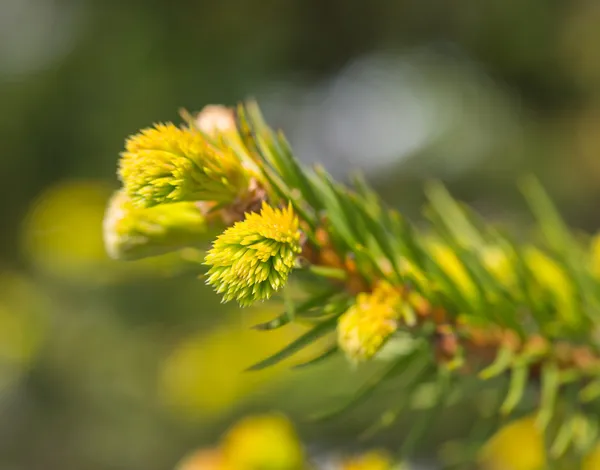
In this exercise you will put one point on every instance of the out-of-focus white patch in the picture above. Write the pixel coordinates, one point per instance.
(400, 344)
(36, 33)
(383, 109)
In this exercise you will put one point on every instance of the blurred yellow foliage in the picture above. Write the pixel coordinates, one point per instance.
(520, 446)
(261, 442)
(499, 265)
(592, 460)
(62, 236)
(517, 446)
(204, 374)
(494, 258)
(454, 268)
(269, 442)
(266, 442)
(552, 279)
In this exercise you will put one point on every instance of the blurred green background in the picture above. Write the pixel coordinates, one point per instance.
(107, 365)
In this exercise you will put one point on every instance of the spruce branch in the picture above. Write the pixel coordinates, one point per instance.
(458, 299)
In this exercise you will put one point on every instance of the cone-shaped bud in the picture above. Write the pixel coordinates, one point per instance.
(253, 258)
(167, 164)
(365, 326)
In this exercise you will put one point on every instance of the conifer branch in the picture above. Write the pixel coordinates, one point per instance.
(482, 304)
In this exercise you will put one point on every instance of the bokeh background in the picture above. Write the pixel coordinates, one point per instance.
(107, 365)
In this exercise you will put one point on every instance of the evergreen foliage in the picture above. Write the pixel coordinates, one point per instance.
(438, 305)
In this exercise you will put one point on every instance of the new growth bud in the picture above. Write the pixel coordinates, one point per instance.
(253, 258)
(364, 328)
(167, 164)
(132, 233)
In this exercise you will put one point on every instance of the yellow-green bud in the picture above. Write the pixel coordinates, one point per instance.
(253, 258)
(167, 164)
(265, 442)
(132, 233)
(365, 326)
